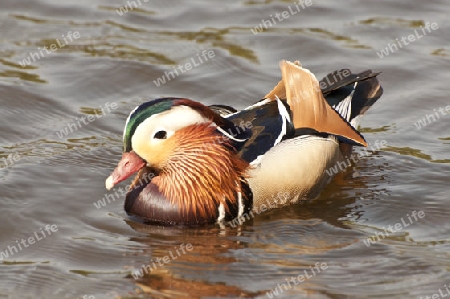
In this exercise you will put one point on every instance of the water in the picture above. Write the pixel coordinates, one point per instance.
(48, 180)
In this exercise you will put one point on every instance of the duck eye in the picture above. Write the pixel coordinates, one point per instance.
(160, 135)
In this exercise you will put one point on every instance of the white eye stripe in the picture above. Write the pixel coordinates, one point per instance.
(170, 121)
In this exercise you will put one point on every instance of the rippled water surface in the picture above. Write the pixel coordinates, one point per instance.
(47, 179)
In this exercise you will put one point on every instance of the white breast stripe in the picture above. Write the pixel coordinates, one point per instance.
(228, 135)
(286, 118)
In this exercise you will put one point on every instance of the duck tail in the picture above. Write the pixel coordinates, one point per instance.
(351, 95)
(309, 108)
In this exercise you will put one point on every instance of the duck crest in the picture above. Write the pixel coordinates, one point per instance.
(202, 109)
(202, 173)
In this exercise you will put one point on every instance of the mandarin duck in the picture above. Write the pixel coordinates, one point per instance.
(209, 164)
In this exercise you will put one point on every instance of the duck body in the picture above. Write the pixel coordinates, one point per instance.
(214, 164)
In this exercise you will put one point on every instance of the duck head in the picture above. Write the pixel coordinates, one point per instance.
(190, 153)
